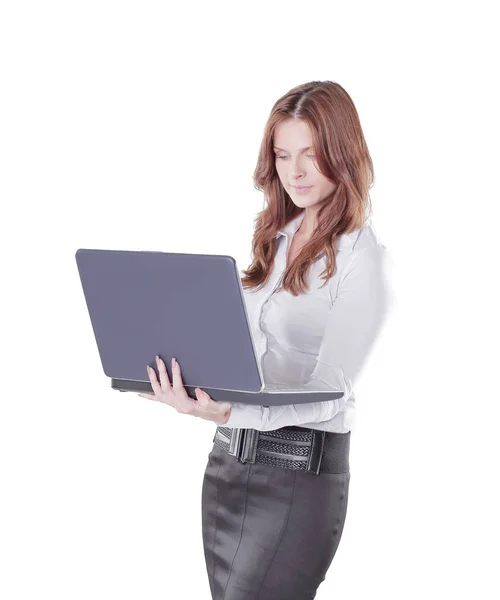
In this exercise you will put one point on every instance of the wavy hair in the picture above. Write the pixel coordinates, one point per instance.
(342, 156)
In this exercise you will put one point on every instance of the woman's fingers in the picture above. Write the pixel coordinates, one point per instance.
(202, 406)
(161, 391)
(210, 409)
(176, 375)
(183, 403)
(175, 395)
(148, 396)
(162, 369)
(154, 382)
(204, 399)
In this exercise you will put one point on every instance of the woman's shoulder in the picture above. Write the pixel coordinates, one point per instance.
(363, 248)
(360, 240)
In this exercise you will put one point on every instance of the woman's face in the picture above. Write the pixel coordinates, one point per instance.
(296, 165)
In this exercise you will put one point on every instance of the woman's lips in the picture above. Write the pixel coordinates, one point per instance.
(301, 189)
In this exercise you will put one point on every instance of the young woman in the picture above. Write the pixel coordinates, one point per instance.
(276, 485)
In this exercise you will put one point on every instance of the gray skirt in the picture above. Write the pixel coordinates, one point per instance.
(270, 533)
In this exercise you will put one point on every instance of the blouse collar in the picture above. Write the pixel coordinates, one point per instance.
(345, 242)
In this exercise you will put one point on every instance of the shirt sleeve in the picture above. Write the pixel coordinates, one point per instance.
(359, 311)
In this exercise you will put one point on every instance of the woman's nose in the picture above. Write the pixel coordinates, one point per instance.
(296, 168)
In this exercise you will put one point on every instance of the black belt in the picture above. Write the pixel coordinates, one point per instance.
(291, 447)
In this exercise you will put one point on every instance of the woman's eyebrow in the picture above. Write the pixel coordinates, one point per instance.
(283, 150)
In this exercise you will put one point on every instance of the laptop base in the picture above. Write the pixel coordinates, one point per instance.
(266, 398)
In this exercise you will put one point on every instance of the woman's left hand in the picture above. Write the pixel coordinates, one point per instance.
(175, 395)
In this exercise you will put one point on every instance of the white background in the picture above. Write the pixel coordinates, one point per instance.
(136, 125)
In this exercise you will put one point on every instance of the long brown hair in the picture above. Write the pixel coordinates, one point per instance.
(342, 157)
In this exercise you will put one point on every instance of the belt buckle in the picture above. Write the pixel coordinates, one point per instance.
(235, 443)
(316, 452)
(243, 444)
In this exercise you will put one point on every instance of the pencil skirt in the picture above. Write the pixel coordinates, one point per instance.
(269, 533)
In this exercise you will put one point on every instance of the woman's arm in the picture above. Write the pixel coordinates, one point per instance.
(354, 322)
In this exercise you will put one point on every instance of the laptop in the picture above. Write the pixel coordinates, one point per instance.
(187, 306)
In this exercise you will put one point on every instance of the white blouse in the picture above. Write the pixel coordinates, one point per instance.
(318, 340)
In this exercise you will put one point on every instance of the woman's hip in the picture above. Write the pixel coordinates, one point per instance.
(270, 531)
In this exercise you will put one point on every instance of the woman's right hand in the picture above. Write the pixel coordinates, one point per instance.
(176, 396)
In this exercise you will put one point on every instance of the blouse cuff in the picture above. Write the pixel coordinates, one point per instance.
(245, 416)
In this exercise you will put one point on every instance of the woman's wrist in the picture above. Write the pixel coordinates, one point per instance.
(224, 417)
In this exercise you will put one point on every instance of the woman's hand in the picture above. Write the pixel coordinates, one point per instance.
(176, 395)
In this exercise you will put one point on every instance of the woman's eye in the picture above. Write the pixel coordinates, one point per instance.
(308, 155)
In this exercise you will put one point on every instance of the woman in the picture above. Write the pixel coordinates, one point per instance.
(275, 489)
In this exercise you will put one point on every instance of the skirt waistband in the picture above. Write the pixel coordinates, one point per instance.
(292, 447)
